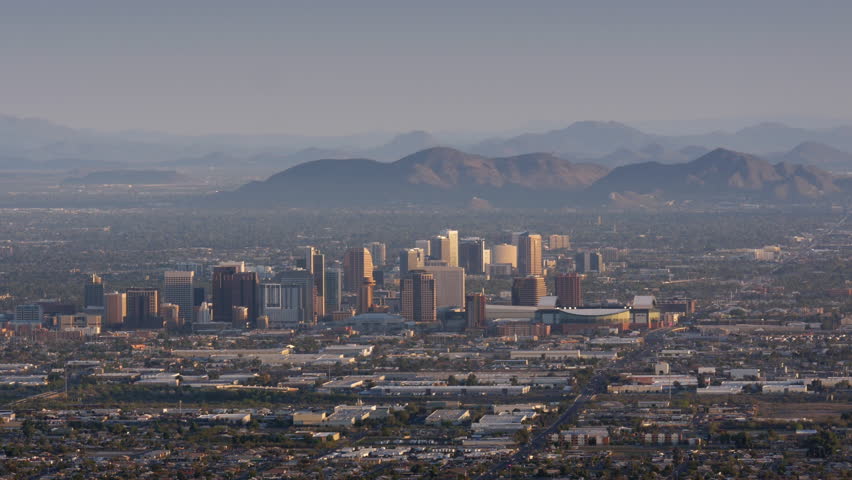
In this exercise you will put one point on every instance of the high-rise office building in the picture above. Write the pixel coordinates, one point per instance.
(559, 242)
(357, 264)
(425, 245)
(439, 246)
(449, 285)
(177, 290)
(115, 309)
(569, 291)
(333, 290)
(93, 293)
(299, 294)
(233, 287)
(365, 295)
(472, 256)
(504, 254)
(143, 309)
(411, 259)
(529, 254)
(586, 262)
(417, 296)
(295, 312)
(271, 300)
(315, 265)
(31, 314)
(452, 257)
(527, 291)
(379, 252)
(475, 311)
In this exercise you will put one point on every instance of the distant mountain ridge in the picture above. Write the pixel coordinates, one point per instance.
(587, 137)
(129, 177)
(718, 175)
(818, 155)
(447, 176)
(437, 175)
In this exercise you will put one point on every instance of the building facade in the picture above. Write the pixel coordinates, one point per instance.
(472, 256)
(233, 287)
(357, 264)
(587, 262)
(527, 291)
(529, 254)
(417, 296)
(449, 285)
(143, 309)
(411, 259)
(115, 309)
(569, 291)
(93, 293)
(475, 311)
(453, 254)
(177, 289)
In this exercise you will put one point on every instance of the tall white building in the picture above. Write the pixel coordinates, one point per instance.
(177, 289)
(453, 257)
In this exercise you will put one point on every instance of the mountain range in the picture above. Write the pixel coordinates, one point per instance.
(445, 176)
(718, 175)
(438, 175)
(41, 144)
(128, 177)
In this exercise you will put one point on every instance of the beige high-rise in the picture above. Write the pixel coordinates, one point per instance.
(357, 265)
(449, 285)
(452, 257)
(505, 254)
(115, 309)
(529, 254)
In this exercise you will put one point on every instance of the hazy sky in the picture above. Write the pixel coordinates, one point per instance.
(354, 66)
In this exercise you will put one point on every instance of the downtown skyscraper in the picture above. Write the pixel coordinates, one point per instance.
(569, 291)
(529, 254)
(452, 256)
(417, 296)
(177, 289)
(233, 287)
(93, 293)
(357, 265)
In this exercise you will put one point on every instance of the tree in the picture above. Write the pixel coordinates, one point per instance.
(522, 436)
(823, 444)
(28, 428)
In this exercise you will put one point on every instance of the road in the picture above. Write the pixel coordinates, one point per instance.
(43, 395)
(597, 384)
